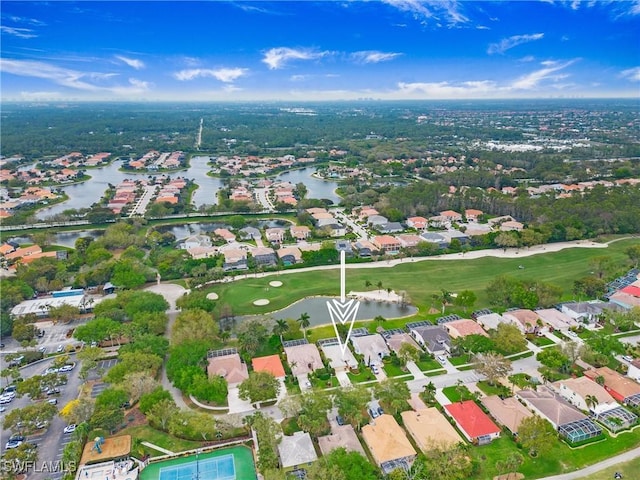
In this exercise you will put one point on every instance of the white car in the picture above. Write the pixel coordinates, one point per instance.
(66, 368)
(571, 333)
(627, 358)
(60, 348)
(70, 428)
(442, 360)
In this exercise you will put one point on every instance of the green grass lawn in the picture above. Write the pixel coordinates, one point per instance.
(539, 341)
(559, 268)
(427, 364)
(364, 375)
(395, 370)
(561, 459)
(460, 360)
(492, 389)
(161, 439)
(455, 393)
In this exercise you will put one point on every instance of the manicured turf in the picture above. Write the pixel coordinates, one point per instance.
(244, 468)
(419, 279)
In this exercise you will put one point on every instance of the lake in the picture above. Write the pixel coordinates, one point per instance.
(85, 194)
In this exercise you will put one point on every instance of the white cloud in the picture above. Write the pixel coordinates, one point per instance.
(528, 58)
(132, 62)
(513, 41)
(85, 81)
(31, 96)
(632, 74)
(424, 10)
(18, 32)
(277, 58)
(372, 56)
(471, 89)
(532, 80)
(298, 78)
(226, 75)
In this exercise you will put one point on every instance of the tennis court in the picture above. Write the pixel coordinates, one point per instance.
(225, 464)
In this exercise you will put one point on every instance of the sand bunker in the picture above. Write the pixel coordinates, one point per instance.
(212, 296)
(261, 302)
(275, 283)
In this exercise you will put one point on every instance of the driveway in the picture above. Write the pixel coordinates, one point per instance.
(343, 378)
(236, 404)
(415, 371)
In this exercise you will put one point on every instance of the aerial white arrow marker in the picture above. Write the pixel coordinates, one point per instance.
(342, 311)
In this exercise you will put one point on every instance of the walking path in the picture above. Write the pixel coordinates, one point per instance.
(596, 467)
(156, 447)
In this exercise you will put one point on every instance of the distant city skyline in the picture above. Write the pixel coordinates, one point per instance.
(311, 51)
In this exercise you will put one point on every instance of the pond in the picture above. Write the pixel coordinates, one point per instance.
(316, 307)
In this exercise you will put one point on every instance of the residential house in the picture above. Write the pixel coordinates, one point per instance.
(508, 412)
(303, 359)
(300, 232)
(372, 347)
(365, 248)
(429, 429)
(463, 328)
(196, 241)
(555, 319)
(290, 255)
(409, 240)
(451, 216)
(450, 235)
(23, 252)
(627, 297)
(336, 230)
(419, 223)
(395, 340)
(387, 244)
(275, 235)
(343, 436)
(391, 227)
(388, 444)
(296, 450)
(251, 233)
(621, 388)
(270, 364)
(436, 238)
(230, 367)
(434, 338)
(570, 423)
(338, 359)
(526, 320)
(225, 234)
(473, 215)
(634, 370)
(578, 392)
(344, 246)
(264, 256)
(366, 212)
(235, 259)
(511, 226)
(588, 312)
(377, 220)
(488, 319)
(474, 424)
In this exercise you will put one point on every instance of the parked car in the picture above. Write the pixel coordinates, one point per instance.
(374, 413)
(53, 401)
(340, 420)
(42, 349)
(60, 349)
(441, 359)
(14, 442)
(380, 411)
(627, 358)
(70, 428)
(571, 333)
(2, 409)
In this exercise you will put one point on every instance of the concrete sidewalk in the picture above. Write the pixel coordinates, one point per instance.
(159, 449)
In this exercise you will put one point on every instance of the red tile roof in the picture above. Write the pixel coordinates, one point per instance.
(270, 364)
(472, 419)
(632, 290)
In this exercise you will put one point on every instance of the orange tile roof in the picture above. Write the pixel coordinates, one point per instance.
(271, 364)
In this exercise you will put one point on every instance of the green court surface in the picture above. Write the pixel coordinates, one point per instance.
(225, 464)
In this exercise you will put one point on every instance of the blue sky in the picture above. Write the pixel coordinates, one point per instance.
(306, 50)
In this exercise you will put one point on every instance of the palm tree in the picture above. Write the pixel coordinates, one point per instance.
(280, 328)
(304, 321)
(225, 335)
(591, 402)
(444, 297)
